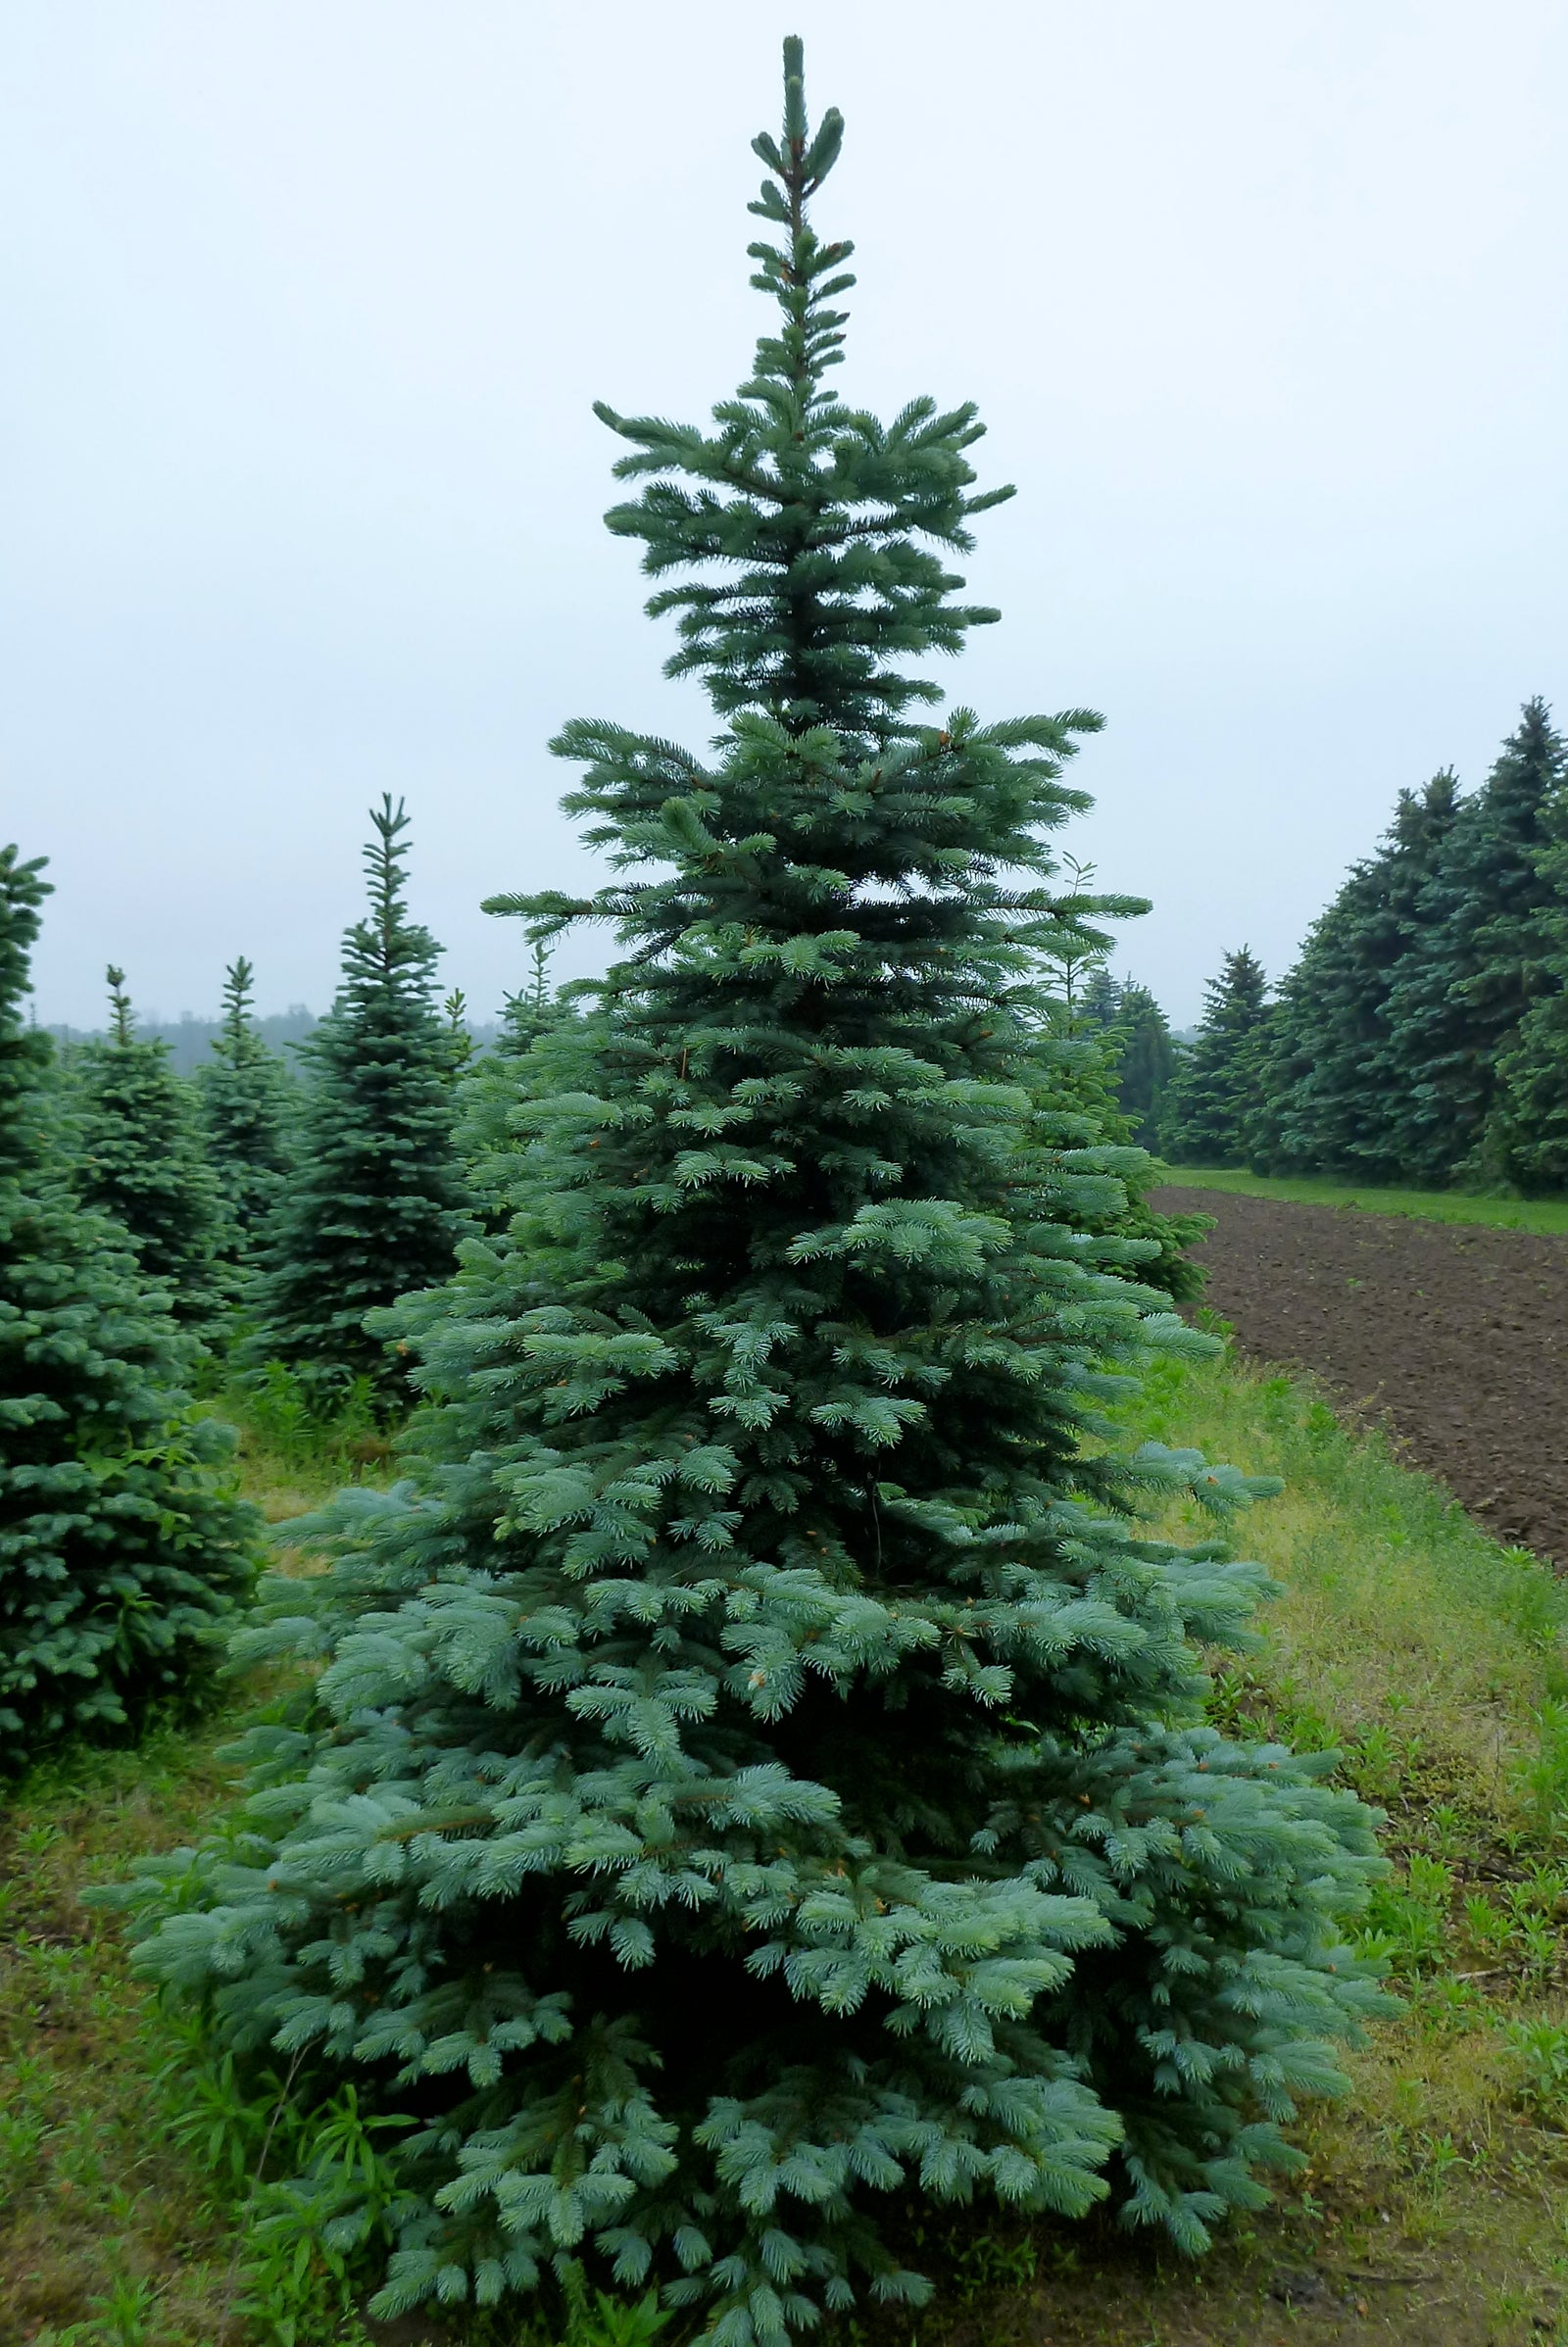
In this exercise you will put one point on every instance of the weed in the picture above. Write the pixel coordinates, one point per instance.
(598, 2320)
(1544, 1778)
(308, 1423)
(1540, 2056)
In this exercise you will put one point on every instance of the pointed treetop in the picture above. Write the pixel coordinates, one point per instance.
(820, 531)
(383, 857)
(22, 889)
(122, 1025)
(237, 999)
(387, 949)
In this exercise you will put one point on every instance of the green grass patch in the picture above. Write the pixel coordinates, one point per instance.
(1435, 1660)
(1547, 1216)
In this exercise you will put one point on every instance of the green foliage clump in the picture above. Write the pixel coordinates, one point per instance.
(248, 1107)
(1331, 1082)
(144, 1162)
(121, 1549)
(1212, 1101)
(1458, 1003)
(377, 1204)
(757, 1764)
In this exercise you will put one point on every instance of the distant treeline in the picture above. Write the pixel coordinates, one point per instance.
(190, 1039)
(1422, 1037)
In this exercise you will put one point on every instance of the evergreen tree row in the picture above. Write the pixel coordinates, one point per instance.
(1422, 1037)
(158, 1234)
(122, 1549)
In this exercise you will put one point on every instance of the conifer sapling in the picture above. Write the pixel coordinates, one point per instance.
(248, 1105)
(377, 1206)
(144, 1161)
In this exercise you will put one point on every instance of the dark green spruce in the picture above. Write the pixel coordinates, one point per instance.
(121, 1549)
(1212, 1100)
(1146, 1067)
(376, 1205)
(248, 1102)
(757, 1770)
(1334, 1081)
(1476, 967)
(144, 1161)
(1529, 1126)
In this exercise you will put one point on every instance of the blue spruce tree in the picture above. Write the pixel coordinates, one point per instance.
(758, 1766)
(122, 1551)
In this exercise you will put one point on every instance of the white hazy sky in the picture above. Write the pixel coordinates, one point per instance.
(307, 301)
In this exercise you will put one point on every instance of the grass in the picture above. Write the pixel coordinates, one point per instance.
(1547, 1216)
(1437, 2198)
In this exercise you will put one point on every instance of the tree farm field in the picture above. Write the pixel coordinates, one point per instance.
(814, 1752)
(1454, 1333)
(1435, 2208)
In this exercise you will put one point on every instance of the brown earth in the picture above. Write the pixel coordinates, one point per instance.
(1453, 1335)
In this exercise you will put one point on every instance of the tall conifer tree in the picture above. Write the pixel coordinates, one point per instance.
(761, 1767)
(120, 1552)
(1334, 1081)
(1529, 1137)
(1458, 1004)
(376, 1207)
(1208, 1109)
(248, 1107)
(144, 1161)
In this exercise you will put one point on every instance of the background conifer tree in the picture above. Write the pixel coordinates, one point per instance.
(144, 1161)
(120, 1550)
(1334, 1078)
(530, 1012)
(1145, 1063)
(1101, 1005)
(248, 1104)
(1456, 1005)
(1214, 1097)
(503, 1081)
(1076, 1108)
(758, 1764)
(1529, 1137)
(377, 1206)
(459, 1036)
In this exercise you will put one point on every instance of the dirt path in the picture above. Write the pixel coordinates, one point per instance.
(1456, 1335)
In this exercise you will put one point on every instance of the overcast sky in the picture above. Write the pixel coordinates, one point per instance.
(305, 306)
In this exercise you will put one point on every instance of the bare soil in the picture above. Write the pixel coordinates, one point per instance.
(1454, 1336)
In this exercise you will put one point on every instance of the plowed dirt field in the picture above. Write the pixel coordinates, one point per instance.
(1454, 1337)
